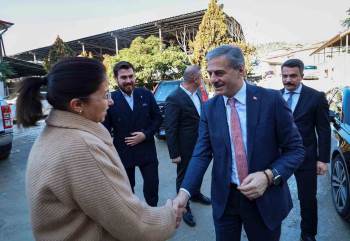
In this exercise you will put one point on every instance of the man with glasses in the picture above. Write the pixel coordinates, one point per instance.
(310, 111)
(133, 120)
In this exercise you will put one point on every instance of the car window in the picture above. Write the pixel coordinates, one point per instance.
(164, 89)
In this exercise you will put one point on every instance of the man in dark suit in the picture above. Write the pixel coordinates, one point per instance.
(250, 134)
(310, 111)
(133, 120)
(182, 112)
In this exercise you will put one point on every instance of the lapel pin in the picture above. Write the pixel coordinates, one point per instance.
(255, 98)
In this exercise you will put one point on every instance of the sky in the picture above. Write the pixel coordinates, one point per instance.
(38, 22)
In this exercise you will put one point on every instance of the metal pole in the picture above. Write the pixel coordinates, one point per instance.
(346, 59)
(116, 45)
(1, 46)
(160, 38)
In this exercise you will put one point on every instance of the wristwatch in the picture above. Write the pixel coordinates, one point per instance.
(276, 177)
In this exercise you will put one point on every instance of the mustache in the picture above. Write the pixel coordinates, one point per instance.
(217, 84)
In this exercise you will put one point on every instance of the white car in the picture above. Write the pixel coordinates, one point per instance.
(6, 129)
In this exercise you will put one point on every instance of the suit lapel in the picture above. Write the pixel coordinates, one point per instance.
(221, 116)
(122, 102)
(188, 100)
(301, 102)
(123, 107)
(253, 110)
(138, 99)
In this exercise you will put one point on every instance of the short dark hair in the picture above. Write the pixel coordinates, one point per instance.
(291, 63)
(122, 65)
(70, 78)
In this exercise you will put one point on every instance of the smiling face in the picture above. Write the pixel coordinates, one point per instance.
(126, 80)
(96, 106)
(226, 80)
(291, 78)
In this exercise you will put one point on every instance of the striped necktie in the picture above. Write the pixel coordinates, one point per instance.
(237, 138)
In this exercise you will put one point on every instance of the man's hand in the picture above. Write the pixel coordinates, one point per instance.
(254, 185)
(321, 168)
(178, 211)
(176, 160)
(135, 138)
(179, 204)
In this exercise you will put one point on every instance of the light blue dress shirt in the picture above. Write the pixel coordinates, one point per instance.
(295, 97)
(129, 99)
(241, 107)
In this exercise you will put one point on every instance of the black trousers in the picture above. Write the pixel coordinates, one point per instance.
(150, 177)
(307, 190)
(241, 211)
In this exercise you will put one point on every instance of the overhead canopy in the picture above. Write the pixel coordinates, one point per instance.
(23, 68)
(5, 25)
(105, 43)
(338, 40)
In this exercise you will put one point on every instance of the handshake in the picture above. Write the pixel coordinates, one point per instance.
(179, 205)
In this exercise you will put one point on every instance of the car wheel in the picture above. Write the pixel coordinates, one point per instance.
(6, 152)
(340, 187)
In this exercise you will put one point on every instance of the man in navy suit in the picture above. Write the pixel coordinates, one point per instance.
(249, 133)
(133, 120)
(310, 111)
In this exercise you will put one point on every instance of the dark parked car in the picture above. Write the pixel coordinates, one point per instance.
(162, 91)
(340, 156)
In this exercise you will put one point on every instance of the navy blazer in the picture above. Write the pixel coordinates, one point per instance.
(312, 113)
(273, 141)
(121, 121)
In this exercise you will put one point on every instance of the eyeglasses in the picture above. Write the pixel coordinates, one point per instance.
(108, 95)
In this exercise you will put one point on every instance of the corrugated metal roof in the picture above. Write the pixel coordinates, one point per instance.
(104, 43)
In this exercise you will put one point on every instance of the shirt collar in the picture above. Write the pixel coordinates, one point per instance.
(126, 95)
(296, 91)
(240, 96)
(186, 91)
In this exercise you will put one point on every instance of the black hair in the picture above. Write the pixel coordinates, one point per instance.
(291, 63)
(70, 78)
(122, 65)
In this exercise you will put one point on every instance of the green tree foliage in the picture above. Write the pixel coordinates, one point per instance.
(58, 50)
(346, 22)
(5, 70)
(150, 62)
(212, 33)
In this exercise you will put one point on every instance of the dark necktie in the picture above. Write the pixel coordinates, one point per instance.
(236, 135)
